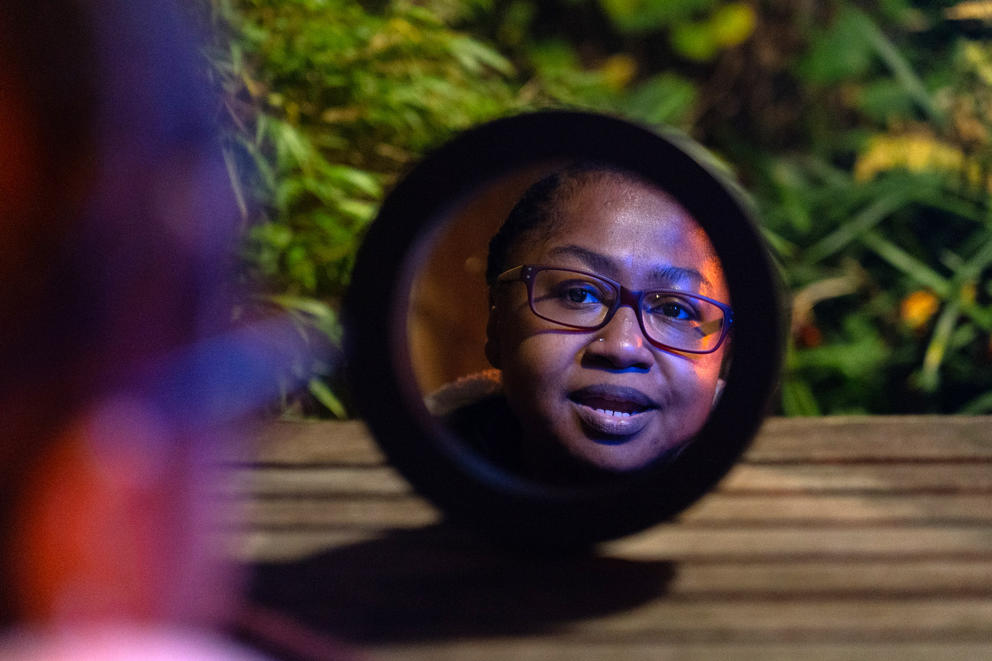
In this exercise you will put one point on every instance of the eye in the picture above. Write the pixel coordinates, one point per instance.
(580, 292)
(671, 308)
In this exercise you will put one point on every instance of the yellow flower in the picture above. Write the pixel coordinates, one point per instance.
(916, 152)
(918, 307)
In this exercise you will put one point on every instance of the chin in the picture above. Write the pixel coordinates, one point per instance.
(618, 458)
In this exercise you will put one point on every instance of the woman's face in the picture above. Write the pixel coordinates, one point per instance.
(560, 381)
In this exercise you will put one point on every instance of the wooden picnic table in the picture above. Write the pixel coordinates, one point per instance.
(833, 538)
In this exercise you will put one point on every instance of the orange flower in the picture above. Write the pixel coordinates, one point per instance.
(918, 307)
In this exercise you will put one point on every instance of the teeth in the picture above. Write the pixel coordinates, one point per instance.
(616, 414)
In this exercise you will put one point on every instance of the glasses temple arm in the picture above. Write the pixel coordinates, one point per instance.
(709, 327)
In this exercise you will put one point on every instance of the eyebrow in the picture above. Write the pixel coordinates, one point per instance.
(663, 274)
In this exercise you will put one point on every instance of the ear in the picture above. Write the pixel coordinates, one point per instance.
(492, 336)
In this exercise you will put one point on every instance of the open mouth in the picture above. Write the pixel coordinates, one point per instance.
(612, 411)
(619, 401)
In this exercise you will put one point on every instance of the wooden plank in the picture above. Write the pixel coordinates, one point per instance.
(872, 477)
(723, 507)
(411, 617)
(860, 438)
(796, 619)
(841, 438)
(412, 558)
(346, 443)
(321, 481)
(786, 479)
(682, 542)
(824, 579)
(716, 509)
(679, 543)
(357, 511)
(556, 648)
(695, 579)
(266, 547)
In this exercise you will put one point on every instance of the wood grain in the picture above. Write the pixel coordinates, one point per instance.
(833, 538)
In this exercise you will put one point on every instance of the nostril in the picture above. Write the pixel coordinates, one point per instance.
(617, 351)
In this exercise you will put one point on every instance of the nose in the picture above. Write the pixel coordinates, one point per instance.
(620, 345)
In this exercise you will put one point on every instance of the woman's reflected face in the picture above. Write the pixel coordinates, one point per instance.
(610, 397)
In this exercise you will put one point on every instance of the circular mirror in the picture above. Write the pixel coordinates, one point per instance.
(563, 328)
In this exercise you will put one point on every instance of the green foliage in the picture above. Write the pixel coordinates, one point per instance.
(344, 99)
(649, 15)
(862, 133)
(841, 51)
(328, 102)
(895, 206)
(665, 98)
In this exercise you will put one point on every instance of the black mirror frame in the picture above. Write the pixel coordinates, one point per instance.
(517, 511)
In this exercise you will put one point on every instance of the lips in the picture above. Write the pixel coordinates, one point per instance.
(612, 413)
(613, 398)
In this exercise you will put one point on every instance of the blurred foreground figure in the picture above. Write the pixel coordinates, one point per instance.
(119, 378)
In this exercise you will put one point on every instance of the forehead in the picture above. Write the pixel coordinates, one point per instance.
(628, 230)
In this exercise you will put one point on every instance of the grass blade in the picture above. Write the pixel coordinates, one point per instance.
(937, 349)
(908, 264)
(866, 219)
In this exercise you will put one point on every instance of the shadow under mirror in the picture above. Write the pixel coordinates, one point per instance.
(559, 295)
(438, 583)
(570, 323)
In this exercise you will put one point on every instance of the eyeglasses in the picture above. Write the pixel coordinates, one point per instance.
(669, 318)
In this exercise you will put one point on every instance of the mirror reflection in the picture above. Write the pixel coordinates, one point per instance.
(571, 323)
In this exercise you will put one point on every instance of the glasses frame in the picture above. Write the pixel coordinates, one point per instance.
(626, 297)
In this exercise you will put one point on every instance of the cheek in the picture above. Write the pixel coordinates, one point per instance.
(526, 346)
(694, 383)
(539, 360)
(537, 364)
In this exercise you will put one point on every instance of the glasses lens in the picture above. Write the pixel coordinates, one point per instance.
(571, 298)
(682, 321)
